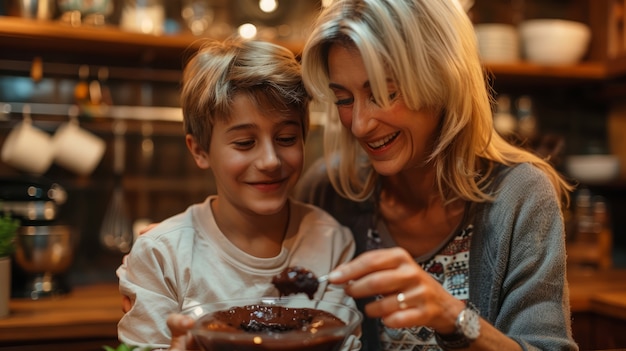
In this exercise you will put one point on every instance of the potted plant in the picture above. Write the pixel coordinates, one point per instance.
(8, 230)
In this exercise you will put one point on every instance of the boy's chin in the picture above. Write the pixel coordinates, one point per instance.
(269, 207)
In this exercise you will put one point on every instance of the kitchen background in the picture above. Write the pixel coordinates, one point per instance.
(120, 62)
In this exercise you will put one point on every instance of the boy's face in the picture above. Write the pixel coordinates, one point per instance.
(256, 158)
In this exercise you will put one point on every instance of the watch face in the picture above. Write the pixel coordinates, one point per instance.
(469, 323)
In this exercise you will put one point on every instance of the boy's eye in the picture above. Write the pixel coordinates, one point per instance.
(287, 140)
(244, 143)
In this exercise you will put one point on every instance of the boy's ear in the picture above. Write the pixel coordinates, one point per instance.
(199, 154)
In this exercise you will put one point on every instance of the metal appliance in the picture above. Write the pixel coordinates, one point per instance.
(44, 247)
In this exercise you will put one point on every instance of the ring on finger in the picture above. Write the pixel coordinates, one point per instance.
(401, 298)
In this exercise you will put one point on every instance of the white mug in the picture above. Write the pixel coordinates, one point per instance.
(28, 148)
(76, 148)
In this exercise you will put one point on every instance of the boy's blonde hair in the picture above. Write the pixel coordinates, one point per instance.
(428, 48)
(269, 74)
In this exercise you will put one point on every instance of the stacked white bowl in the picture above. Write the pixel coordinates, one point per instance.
(497, 42)
(554, 41)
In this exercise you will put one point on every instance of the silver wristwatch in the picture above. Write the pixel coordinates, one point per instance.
(467, 330)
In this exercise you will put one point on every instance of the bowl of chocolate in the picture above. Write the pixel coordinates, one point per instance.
(273, 323)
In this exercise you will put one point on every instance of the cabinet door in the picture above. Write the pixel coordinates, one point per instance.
(597, 332)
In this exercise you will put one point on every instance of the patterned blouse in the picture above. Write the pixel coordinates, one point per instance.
(449, 265)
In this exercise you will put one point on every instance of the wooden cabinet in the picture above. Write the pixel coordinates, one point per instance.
(602, 327)
(593, 331)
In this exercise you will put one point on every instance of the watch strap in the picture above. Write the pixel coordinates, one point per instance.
(459, 339)
(452, 341)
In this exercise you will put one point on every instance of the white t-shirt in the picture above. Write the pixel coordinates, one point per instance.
(187, 260)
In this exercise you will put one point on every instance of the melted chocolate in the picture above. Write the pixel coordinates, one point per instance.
(295, 280)
(262, 320)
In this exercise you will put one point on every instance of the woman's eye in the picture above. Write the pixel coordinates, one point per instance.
(344, 102)
(392, 96)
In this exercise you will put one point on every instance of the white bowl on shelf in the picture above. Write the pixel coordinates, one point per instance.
(497, 42)
(554, 41)
(593, 169)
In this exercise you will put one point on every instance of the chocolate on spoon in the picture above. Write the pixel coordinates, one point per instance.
(295, 280)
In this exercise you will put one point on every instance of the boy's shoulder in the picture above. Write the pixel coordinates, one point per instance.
(174, 227)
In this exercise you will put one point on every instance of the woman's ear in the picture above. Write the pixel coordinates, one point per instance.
(199, 154)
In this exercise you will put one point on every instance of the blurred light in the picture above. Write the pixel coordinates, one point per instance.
(247, 30)
(268, 6)
(147, 26)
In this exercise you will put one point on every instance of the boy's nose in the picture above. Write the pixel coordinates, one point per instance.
(268, 158)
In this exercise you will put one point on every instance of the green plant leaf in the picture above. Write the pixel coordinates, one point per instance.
(8, 230)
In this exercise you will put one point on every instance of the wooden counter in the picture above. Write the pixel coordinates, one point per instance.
(87, 313)
(598, 304)
(588, 285)
(611, 304)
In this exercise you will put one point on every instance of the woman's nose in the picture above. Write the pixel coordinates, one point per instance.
(361, 119)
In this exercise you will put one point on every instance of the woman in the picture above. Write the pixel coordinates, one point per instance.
(461, 234)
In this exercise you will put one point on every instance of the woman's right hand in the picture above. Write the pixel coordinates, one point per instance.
(409, 295)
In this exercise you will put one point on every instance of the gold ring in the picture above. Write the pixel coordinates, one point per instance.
(401, 298)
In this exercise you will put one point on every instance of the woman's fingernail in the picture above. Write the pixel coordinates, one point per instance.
(335, 275)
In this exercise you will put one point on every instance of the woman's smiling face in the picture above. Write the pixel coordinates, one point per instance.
(395, 138)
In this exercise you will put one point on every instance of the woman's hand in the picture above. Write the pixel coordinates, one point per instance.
(410, 296)
(179, 326)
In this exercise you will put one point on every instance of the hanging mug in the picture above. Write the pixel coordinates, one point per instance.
(76, 148)
(28, 148)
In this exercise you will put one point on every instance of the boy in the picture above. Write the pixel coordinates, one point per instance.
(245, 116)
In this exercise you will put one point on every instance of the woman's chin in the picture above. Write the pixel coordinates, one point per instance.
(387, 168)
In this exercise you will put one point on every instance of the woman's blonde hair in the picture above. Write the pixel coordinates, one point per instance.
(269, 74)
(428, 48)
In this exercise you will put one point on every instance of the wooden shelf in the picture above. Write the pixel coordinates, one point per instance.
(585, 71)
(111, 42)
(51, 36)
(45, 36)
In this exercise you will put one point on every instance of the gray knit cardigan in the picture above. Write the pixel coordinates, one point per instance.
(517, 258)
